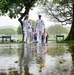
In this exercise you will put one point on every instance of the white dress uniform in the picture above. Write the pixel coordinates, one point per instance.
(40, 26)
(33, 33)
(27, 30)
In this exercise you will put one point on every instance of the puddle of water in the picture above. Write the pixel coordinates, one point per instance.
(36, 59)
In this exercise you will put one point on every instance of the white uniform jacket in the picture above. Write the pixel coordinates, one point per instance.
(40, 26)
(27, 25)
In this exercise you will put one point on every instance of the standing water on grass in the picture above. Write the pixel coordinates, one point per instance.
(37, 59)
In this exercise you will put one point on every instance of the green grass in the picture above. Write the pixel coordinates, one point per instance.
(11, 42)
(71, 41)
(50, 38)
(20, 38)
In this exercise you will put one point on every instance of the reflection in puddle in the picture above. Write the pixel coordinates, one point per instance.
(36, 59)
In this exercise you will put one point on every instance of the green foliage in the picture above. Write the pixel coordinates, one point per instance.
(54, 1)
(7, 31)
(14, 7)
(33, 23)
(19, 29)
(42, 2)
(57, 29)
(63, 1)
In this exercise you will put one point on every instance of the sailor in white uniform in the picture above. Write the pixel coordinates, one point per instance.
(40, 26)
(27, 24)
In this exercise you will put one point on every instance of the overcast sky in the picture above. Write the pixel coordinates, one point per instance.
(5, 20)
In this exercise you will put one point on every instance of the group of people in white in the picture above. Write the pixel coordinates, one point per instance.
(36, 34)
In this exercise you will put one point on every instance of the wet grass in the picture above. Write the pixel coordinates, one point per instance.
(71, 41)
(11, 42)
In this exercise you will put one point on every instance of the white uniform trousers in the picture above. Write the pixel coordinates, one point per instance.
(39, 36)
(27, 36)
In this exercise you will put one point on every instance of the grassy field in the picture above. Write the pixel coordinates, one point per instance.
(50, 38)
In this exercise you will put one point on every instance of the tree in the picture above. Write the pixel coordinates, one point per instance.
(7, 31)
(57, 29)
(62, 11)
(19, 29)
(17, 8)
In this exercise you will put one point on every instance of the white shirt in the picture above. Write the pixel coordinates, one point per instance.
(27, 25)
(40, 25)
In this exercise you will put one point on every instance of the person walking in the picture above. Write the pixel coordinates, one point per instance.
(27, 24)
(40, 26)
(47, 35)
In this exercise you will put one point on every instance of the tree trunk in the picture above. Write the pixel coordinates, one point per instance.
(71, 34)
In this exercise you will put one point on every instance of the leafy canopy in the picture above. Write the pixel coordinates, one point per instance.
(15, 7)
